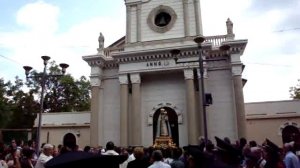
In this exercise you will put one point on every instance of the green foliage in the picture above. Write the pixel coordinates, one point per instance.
(295, 91)
(4, 104)
(64, 93)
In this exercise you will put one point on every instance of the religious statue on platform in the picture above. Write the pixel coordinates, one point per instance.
(163, 125)
(229, 26)
(101, 43)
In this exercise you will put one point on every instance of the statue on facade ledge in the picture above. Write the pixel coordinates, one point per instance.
(229, 26)
(101, 43)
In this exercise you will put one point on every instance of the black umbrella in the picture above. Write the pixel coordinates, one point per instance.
(85, 159)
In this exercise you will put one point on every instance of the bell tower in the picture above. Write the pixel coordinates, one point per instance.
(156, 20)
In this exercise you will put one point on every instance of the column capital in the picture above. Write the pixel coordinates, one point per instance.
(135, 78)
(95, 80)
(123, 79)
(205, 74)
(96, 75)
(188, 74)
(236, 70)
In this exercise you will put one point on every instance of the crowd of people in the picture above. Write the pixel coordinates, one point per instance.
(223, 153)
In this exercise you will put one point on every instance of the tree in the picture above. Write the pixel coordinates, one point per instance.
(62, 93)
(23, 107)
(295, 91)
(4, 105)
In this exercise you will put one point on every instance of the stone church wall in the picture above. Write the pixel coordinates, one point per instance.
(221, 115)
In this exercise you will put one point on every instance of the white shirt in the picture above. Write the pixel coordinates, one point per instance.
(159, 164)
(42, 160)
(110, 152)
(3, 164)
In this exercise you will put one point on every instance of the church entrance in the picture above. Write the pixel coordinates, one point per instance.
(69, 140)
(170, 127)
(290, 133)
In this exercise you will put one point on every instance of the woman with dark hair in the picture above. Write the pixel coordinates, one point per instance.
(27, 156)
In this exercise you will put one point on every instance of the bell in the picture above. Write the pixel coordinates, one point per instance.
(162, 21)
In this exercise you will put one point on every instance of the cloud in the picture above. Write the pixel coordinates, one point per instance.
(271, 55)
(41, 37)
(39, 17)
(266, 5)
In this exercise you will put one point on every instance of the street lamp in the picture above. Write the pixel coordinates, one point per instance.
(44, 77)
(199, 40)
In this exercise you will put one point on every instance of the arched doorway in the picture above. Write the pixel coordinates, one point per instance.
(69, 140)
(290, 133)
(173, 120)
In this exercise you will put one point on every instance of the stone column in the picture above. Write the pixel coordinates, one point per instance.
(138, 22)
(239, 100)
(186, 18)
(136, 125)
(123, 110)
(128, 24)
(198, 17)
(192, 119)
(96, 124)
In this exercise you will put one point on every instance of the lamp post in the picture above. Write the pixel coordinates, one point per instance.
(44, 77)
(199, 40)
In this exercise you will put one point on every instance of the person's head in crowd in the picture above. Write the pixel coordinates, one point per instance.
(177, 152)
(138, 153)
(252, 143)
(227, 140)
(130, 150)
(19, 142)
(157, 155)
(55, 151)
(252, 155)
(13, 143)
(110, 145)
(27, 152)
(31, 144)
(242, 143)
(87, 148)
(48, 149)
(289, 146)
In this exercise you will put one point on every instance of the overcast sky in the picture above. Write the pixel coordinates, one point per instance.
(68, 29)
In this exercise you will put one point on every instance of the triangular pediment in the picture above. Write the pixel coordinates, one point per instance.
(118, 44)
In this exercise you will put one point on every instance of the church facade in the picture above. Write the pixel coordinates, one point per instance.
(137, 76)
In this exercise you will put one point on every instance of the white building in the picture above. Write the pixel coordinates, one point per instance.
(137, 75)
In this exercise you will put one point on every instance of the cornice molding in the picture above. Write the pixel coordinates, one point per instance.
(101, 61)
(123, 57)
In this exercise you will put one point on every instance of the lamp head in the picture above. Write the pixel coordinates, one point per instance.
(46, 59)
(27, 70)
(199, 39)
(63, 67)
